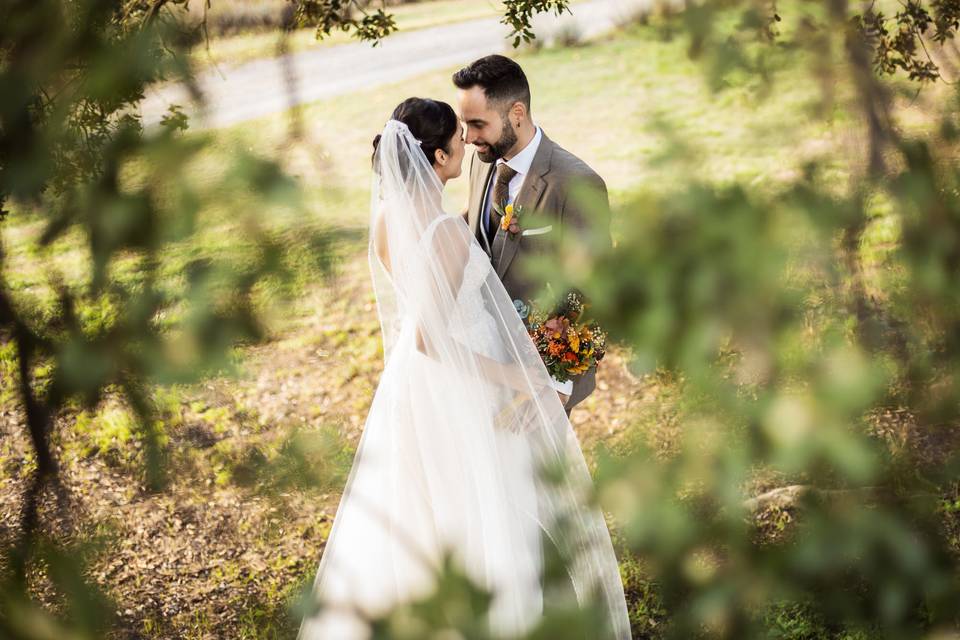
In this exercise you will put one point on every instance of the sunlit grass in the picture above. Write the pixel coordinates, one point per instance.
(626, 103)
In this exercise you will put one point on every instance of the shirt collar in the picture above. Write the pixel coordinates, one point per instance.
(522, 161)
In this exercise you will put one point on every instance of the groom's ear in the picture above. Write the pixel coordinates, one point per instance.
(518, 111)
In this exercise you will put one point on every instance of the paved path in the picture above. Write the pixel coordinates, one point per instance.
(259, 88)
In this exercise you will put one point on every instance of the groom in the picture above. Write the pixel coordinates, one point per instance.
(514, 162)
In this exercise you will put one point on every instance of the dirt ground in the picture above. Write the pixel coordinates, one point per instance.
(223, 550)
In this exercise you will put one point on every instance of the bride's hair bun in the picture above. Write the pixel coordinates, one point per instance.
(432, 122)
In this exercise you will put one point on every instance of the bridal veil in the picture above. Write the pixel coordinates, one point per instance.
(466, 448)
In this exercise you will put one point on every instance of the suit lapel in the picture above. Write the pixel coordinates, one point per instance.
(531, 191)
(479, 186)
(473, 204)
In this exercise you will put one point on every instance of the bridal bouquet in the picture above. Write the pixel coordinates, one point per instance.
(567, 344)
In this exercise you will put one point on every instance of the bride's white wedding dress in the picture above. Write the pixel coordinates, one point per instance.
(462, 423)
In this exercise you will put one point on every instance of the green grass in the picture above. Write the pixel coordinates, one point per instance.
(623, 105)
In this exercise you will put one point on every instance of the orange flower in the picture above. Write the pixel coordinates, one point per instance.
(556, 348)
(569, 357)
(507, 217)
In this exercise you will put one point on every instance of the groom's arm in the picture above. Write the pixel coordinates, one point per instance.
(585, 216)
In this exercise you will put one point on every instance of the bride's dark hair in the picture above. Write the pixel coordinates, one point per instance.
(430, 121)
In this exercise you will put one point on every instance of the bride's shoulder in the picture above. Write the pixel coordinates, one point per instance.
(446, 219)
(451, 227)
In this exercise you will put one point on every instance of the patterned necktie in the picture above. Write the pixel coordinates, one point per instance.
(501, 196)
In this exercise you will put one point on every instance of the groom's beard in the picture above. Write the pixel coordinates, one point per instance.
(499, 149)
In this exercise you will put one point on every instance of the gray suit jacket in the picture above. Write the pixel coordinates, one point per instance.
(546, 190)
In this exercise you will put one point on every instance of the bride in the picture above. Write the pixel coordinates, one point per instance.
(466, 450)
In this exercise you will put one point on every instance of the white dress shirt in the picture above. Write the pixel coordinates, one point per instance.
(519, 163)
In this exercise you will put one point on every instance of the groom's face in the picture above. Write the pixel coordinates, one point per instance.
(488, 128)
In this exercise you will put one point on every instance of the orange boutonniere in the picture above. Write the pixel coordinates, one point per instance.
(510, 219)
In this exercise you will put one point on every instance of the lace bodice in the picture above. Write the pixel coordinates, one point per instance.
(469, 297)
(472, 321)
(474, 275)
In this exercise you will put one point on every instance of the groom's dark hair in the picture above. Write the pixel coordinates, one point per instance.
(501, 79)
